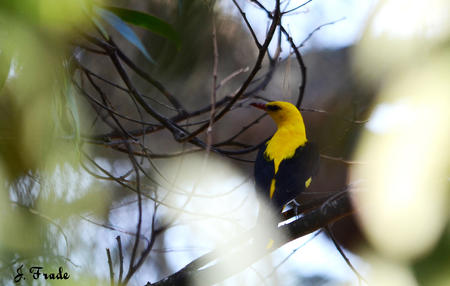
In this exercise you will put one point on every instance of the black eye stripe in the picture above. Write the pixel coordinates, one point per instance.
(273, 107)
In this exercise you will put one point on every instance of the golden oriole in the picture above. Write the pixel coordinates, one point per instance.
(287, 162)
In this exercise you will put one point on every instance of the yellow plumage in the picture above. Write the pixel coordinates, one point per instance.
(286, 163)
(290, 133)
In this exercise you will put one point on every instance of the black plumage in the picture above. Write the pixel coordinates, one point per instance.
(291, 176)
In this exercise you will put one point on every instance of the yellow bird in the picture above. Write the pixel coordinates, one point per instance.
(287, 162)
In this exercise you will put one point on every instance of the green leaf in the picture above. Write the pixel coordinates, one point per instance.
(124, 30)
(147, 21)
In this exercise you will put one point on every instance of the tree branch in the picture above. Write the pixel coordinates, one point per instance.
(247, 253)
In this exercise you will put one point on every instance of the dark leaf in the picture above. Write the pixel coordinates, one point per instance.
(147, 21)
(124, 30)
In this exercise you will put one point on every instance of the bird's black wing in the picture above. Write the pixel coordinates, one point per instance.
(294, 172)
(264, 172)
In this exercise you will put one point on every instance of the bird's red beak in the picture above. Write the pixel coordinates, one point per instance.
(259, 105)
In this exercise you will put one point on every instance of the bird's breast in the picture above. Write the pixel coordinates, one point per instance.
(283, 145)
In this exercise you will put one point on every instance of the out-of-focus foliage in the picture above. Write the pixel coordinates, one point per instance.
(55, 15)
(5, 64)
(404, 197)
(39, 135)
(38, 115)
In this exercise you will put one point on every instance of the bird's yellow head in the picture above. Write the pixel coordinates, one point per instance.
(283, 113)
(290, 133)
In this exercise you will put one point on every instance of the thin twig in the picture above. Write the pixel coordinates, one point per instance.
(245, 128)
(110, 227)
(110, 110)
(340, 159)
(353, 121)
(152, 81)
(293, 252)
(244, 16)
(301, 63)
(231, 76)
(298, 7)
(119, 246)
(214, 89)
(105, 102)
(317, 29)
(131, 268)
(341, 251)
(111, 270)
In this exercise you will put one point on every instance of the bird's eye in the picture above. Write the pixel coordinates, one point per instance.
(273, 107)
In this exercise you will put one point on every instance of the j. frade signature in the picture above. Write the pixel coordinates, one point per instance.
(37, 272)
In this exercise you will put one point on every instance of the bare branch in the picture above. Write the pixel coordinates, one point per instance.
(241, 258)
(152, 81)
(244, 16)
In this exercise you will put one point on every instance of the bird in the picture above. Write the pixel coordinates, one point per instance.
(287, 162)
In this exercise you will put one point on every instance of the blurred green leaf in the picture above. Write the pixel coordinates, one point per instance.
(124, 30)
(56, 15)
(69, 93)
(430, 269)
(25, 9)
(147, 21)
(5, 65)
(5, 51)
